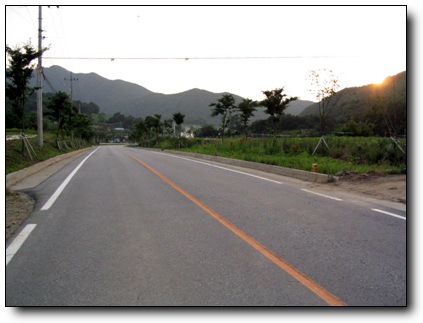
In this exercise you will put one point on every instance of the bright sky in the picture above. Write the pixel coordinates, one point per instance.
(361, 44)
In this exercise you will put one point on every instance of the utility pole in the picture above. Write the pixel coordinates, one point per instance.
(71, 91)
(39, 83)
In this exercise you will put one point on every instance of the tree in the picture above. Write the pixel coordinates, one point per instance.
(324, 87)
(158, 124)
(275, 103)
(179, 119)
(153, 124)
(60, 109)
(206, 131)
(140, 129)
(18, 75)
(88, 108)
(117, 118)
(247, 108)
(82, 126)
(224, 106)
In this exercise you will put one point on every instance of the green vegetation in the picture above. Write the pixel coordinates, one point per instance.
(15, 160)
(361, 154)
(353, 153)
(18, 75)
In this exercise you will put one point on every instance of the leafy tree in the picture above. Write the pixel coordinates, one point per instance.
(179, 119)
(18, 75)
(154, 125)
(247, 108)
(354, 128)
(82, 126)
(168, 126)
(60, 109)
(275, 103)
(140, 129)
(158, 124)
(324, 87)
(129, 122)
(117, 118)
(206, 131)
(88, 108)
(224, 106)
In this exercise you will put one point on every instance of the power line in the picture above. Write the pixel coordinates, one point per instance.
(48, 82)
(201, 58)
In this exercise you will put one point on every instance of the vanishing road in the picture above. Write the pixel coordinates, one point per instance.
(125, 226)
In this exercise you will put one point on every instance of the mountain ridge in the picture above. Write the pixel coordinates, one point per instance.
(132, 99)
(359, 99)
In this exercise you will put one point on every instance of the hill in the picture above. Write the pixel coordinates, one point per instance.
(132, 99)
(356, 101)
(91, 87)
(296, 107)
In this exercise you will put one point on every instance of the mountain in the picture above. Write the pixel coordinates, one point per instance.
(193, 103)
(91, 87)
(358, 100)
(132, 99)
(296, 107)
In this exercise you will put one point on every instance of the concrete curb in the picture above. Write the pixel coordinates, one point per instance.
(19, 175)
(285, 171)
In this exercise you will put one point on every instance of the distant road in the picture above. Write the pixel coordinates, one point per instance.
(125, 226)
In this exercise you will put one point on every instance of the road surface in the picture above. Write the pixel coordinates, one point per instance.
(125, 226)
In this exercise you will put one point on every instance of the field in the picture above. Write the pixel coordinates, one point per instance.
(361, 154)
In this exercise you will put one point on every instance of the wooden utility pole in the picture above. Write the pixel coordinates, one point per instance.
(39, 83)
(71, 88)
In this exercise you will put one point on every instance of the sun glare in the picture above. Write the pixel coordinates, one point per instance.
(378, 83)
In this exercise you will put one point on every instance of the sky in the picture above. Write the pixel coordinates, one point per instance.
(243, 50)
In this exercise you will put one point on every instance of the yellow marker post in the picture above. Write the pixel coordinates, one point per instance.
(314, 168)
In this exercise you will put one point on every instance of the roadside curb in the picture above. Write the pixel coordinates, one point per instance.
(19, 175)
(279, 170)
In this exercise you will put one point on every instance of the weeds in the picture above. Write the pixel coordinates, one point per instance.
(15, 160)
(361, 154)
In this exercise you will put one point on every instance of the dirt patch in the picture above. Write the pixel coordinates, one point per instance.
(384, 187)
(18, 207)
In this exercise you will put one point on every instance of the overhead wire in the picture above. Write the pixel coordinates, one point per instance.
(32, 21)
(202, 58)
(59, 79)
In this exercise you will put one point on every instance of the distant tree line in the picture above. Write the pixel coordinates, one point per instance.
(149, 130)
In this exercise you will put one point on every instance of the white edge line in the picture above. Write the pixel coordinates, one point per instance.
(18, 242)
(327, 196)
(391, 214)
(228, 169)
(62, 186)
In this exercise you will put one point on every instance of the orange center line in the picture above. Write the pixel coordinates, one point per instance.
(291, 270)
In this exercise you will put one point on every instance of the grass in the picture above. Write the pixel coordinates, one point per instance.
(370, 154)
(15, 160)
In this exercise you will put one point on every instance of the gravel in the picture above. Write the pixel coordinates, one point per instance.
(18, 207)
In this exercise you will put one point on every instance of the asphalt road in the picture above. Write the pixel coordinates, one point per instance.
(137, 227)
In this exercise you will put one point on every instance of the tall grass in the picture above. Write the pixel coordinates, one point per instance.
(361, 154)
(15, 160)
